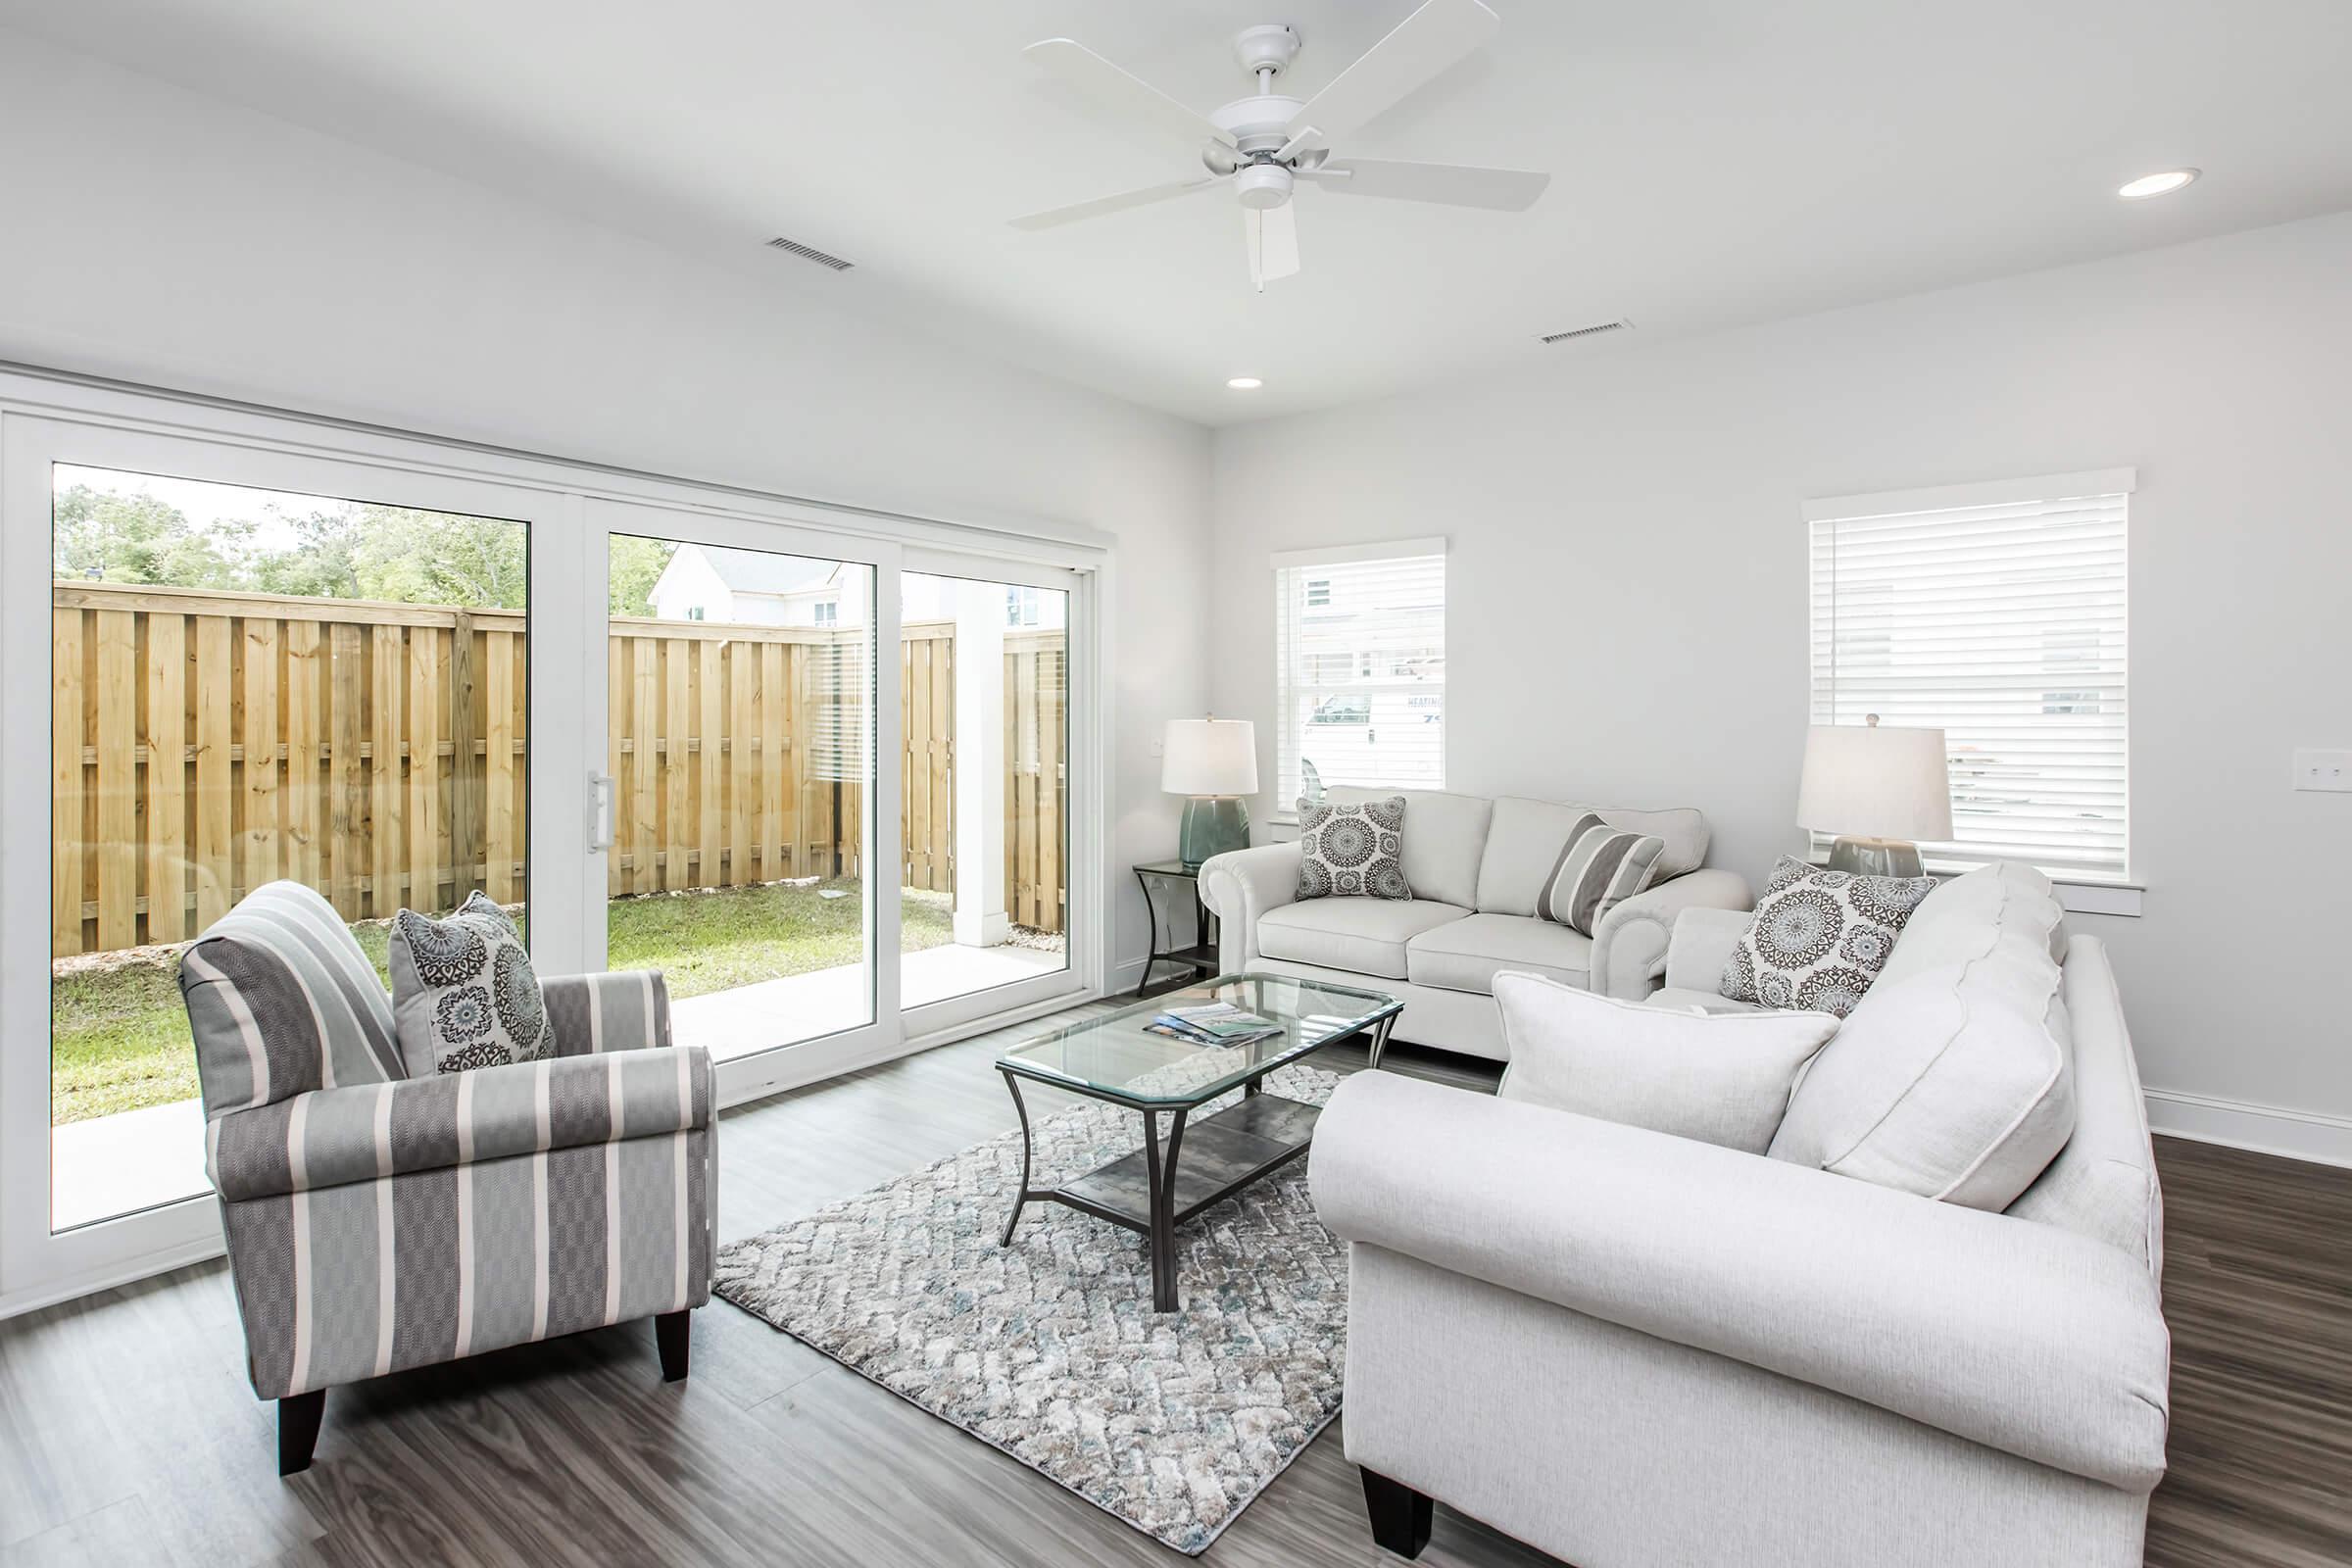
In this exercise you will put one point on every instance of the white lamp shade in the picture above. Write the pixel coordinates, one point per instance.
(1876, 782)
(1209, 756)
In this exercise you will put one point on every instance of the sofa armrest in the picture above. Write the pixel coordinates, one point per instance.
(1629, 946)
(330, 1137)
(2021, 1336)
(1701, 947)
(627, 1010)
(1240, 887)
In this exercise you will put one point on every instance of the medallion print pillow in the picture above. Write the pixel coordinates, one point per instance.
(462, 991)
(1820, 937)
(1353, 851)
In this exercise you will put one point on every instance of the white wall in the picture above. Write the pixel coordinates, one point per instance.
(1627, 599)
(168, 238)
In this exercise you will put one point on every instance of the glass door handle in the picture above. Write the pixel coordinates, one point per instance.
(599, 810)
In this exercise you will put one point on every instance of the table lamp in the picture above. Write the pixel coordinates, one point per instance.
(1213, 764)
(1880, 789)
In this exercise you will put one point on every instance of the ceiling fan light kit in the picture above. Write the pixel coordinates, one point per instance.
(1266, 144)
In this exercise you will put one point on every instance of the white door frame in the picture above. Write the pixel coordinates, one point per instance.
(271, 448)
(34, 1262)
(879, 1038)
(1082, 797)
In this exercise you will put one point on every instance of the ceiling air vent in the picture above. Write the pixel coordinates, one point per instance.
(1587, 331)
(809, 253)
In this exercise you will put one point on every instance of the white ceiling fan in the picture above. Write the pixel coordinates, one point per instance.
(1262, 146)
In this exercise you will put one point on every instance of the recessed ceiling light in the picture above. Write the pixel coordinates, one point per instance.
(2163, 185)
(1244, 384)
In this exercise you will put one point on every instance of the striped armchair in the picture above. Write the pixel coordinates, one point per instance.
(376, 1222)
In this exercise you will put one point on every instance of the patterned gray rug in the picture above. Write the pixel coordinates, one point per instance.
(1050, 1350)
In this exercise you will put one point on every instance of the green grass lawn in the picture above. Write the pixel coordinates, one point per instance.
(121, 1038)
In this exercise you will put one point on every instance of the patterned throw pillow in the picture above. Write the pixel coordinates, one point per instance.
(1819, 937)
(1599, 867)
(462, 991)
(1353, 851)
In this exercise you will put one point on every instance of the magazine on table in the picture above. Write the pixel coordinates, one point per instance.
(1214, 1023)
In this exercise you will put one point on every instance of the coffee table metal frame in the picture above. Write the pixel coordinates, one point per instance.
(1238, 1144)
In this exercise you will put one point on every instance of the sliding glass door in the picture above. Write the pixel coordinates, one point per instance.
(984, 676)
(739, 734)
(840, 788)
(243, 668)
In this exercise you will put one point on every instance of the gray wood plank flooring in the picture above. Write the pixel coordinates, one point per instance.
(128, 1435)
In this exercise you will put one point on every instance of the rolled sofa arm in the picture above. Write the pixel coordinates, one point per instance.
(2025, 1338)
(1629, 946)
(1242, 886)
(1701, 947)
(360, 1132)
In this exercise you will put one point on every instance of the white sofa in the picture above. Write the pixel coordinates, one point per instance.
(1475, 866)
(1633, 1349)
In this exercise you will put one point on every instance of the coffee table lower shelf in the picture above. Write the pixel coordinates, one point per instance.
(1220, 1156)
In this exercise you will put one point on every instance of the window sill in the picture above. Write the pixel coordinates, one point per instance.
(2075, 896)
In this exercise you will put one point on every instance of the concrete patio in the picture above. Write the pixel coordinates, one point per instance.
(119, 1164)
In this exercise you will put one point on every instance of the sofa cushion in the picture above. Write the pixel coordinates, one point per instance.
(1362, 936)
(1601, 867)
(1523, 850)
(1443, 837)
(1953, 1080)
(1683, 828)
(1526, 838)
(2103, 1183)
(1820, 939)
(1720, 1078)
(1466, 955)
(463, 994)
(1352, 850)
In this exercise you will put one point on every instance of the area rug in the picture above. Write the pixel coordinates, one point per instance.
(1048, 1349)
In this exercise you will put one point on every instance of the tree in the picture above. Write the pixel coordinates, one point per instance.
(130, 536)
(636, 566)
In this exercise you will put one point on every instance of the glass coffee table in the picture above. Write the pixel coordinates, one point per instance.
(1167, 1180)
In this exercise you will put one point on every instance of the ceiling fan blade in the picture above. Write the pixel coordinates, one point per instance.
(1127, 98)
(1419, 47)
(1303, 139)
(1116, 203)
(1273, 238)
(1505, 190)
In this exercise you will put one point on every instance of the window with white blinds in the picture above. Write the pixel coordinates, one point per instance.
(1996, 613)
(1360, 677)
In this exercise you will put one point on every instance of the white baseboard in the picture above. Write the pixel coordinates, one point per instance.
(2265, 1129)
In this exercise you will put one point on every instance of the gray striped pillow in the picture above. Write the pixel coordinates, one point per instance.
(1599, 867)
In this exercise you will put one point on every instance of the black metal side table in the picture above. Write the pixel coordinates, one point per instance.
(1200, 959)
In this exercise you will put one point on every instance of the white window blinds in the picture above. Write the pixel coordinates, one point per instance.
(1360, 677)
(1995, 613)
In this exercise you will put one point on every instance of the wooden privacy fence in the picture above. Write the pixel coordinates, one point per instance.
(205, 743)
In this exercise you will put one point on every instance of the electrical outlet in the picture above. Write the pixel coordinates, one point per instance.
(2323, 770)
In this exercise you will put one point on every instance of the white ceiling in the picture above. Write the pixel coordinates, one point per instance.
(1714, 162)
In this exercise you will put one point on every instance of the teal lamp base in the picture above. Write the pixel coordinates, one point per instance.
(1213, 825)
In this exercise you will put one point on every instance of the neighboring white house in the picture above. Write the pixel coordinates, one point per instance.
(758, 588)
(750, 588)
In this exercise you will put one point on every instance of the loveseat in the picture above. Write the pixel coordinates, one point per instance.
(1632, 1349)
(1475, 866)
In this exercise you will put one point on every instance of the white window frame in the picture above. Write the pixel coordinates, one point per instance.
(1316, 593)
(2086, 888)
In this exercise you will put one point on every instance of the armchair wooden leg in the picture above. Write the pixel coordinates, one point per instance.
(1400, 1515)
(672, 1338)
(298, 1417)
